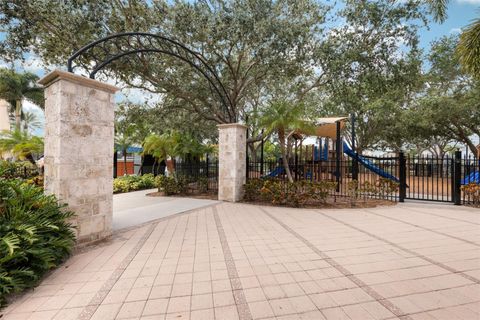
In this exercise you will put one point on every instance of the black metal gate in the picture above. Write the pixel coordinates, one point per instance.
(443, 179)
(429, 178)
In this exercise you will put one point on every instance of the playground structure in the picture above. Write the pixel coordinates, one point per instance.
(331, 158)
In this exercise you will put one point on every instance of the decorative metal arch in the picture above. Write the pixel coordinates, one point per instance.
(104, 51)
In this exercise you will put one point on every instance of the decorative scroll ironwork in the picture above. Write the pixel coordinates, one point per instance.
(98, 54)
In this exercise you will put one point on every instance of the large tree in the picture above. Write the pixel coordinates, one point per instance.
(248, 43)
(374, 65)
(450, 98)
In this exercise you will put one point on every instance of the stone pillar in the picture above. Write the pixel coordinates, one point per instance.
(232, 148)
(4, 119)
(79, 117)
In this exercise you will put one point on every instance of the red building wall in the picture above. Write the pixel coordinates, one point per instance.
(120, 168)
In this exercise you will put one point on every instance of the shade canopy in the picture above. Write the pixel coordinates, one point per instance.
(327, 127)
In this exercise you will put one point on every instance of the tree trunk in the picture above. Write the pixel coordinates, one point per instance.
(253, 152)
(140, 170)
(124, 162)
(463, 137)
(18, 114)
(154, 167)
(281, 138)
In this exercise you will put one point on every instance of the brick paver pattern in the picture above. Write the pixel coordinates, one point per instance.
(239, 261)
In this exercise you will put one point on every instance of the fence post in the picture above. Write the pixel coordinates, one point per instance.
(207, 170)
(261, 157)
(296, 161)
(403, 177)
(115, 159)
(247, 171)
(457, 177)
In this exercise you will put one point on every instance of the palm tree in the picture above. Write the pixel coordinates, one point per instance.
(160, 147)
(20, 144)
(30, 121)
(283, 118)
(438, 9)
(123, 140)
(14, 87)
(187, 146)
(468, 48)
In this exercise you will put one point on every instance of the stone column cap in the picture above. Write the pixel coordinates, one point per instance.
(231, 125)
(56, 75)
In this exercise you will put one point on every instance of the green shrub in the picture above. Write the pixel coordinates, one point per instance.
(120, 185)
(472, 193)
(253, 189)
(386, 187)
(18, 169)
(382, 188)
(172, 184)
(133, 183)
(322, 189)
(202, 184)
(35, 235)
(285, 193)
(147, 181)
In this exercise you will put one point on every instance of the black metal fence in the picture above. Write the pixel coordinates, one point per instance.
(351, 180)
(202, 175)
(448, 179)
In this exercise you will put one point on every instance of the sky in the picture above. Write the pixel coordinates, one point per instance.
(460, 14)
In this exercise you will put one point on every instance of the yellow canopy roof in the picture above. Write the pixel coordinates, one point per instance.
(327, 127)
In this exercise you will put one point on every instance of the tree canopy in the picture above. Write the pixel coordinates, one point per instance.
(358, 58)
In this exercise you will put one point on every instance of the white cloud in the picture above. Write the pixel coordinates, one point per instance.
(138, 96)
(455, 30)
(474, 2)
(35, 65)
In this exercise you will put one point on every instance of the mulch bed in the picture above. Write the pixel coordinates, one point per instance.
(208, 196)
(342, 203)
(338, 203)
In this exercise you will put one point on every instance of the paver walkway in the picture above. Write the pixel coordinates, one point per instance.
(134, 208)
(237, 261)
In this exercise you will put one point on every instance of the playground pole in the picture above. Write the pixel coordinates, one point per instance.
(338, 146)
(354, 161)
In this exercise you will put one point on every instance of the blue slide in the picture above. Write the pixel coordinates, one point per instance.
(368, 164)
(275, 172)
(474, 177)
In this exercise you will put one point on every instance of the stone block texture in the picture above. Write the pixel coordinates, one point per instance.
(79, 135)
(232, 161)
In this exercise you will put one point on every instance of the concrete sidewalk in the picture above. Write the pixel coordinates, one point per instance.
(135, 208)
